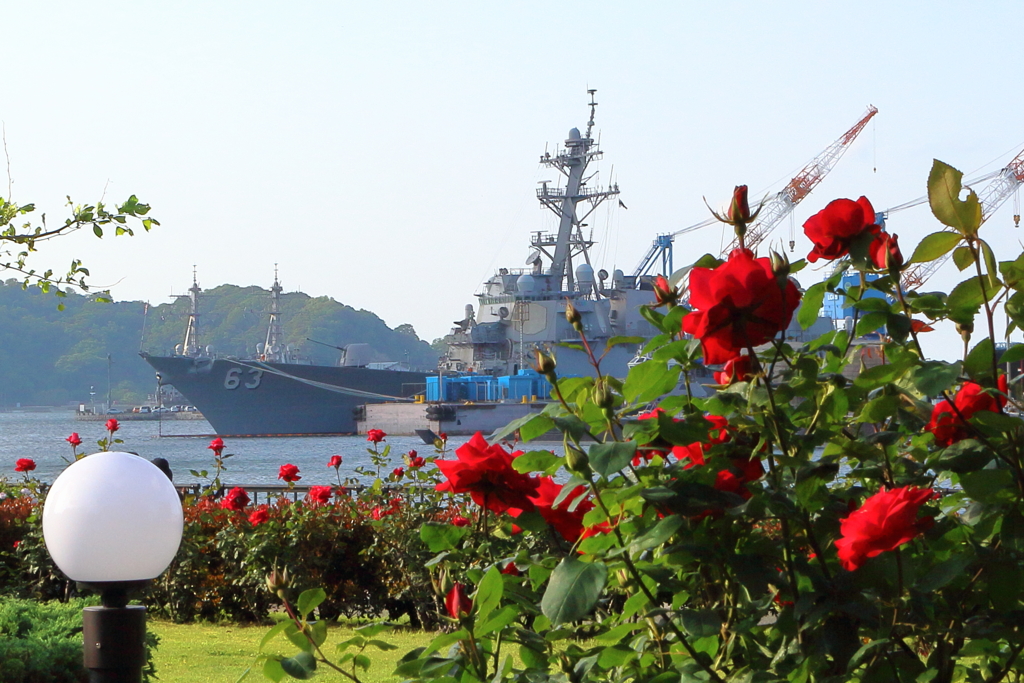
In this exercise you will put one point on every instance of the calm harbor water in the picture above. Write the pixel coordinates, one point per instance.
(41, 437)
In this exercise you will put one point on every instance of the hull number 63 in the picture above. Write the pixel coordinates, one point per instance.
(234, 378)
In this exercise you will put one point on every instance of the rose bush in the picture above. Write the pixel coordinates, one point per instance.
(823, 520)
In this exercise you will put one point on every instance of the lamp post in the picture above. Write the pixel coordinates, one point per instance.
(112, 521)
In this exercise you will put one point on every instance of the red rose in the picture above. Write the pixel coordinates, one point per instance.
(380, 513)
(884, 522)
(398, 472)
(334, 462)
(112, 425)
(737, 369)
(737, 305)
(319, 495)
(375, 435)
(511, 569)
(485, 472)
(259, 516)
(236, 499)
(24, 465)
(836, 226)
(718, 432)
(602, 528)
(74, 440)
(289, 473)
(442, 436)
(885, 251)
(567, 523)
(457, 602)
(416, 461)
(658, 446)
(217, 445)
(459, 520)
(971, 399)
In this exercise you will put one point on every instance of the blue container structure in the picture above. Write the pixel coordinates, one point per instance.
(833, 303)
(479, 388)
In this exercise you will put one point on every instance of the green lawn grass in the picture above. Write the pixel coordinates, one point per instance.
(207, 653)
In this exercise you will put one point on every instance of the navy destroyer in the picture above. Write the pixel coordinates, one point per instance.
(273, 393)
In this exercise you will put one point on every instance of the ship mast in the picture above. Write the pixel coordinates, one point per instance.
(571, 162)
(272, 349)
(190, 347)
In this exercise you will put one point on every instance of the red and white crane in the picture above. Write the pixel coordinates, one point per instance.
(774, 209)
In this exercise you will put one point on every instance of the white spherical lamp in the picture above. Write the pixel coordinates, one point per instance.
(112, 517)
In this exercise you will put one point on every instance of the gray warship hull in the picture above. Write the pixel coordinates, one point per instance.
(252, 398)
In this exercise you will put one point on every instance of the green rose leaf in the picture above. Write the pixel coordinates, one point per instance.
(944, 188)
(1013, 354)
(537, 427)
(810, 305)
(967, 295)
(301, 666)
(963, 258)
(943, 573)
(439, 537)
(272, 670)
(488, 593)
(519, 424)
(979, 360)
(934, 246)
(662, 531)
(573, 590)
(536, 461)
(308, 600)
(701, 623)
(608, 458)
(615, 341)
(933, 377)
(649, 380)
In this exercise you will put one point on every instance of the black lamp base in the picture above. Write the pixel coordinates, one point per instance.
(114, 647)
(114, 635)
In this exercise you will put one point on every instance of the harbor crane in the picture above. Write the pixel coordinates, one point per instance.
(774, 209)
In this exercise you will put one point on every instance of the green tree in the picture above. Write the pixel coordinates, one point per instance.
(20, 237)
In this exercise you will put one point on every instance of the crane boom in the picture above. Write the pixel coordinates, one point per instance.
(783, 203)
(775, 208)
(991, 198)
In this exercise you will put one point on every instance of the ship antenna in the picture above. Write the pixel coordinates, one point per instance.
(593, 106)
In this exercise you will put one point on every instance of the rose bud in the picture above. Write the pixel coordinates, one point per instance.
(573, 316)
(965, 330)
(780, 264)
(665, 293)
(576, 461)
(457, 602)
(544, 364)
(739, 210)
(278, 582)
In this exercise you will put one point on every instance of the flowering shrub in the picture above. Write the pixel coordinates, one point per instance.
(815, 519)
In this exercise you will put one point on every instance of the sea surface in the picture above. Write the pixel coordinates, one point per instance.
(41, 437)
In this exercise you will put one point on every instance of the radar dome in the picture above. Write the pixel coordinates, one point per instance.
(585, 277)
(574, 134)
(526, 284)
(617, 278)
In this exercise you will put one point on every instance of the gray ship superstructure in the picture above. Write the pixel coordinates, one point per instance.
(521, 309)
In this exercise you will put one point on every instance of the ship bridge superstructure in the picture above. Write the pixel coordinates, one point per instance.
(521, 309)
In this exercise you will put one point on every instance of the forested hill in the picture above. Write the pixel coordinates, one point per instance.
(52, 357)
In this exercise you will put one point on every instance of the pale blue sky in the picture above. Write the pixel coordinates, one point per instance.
(385, 154)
